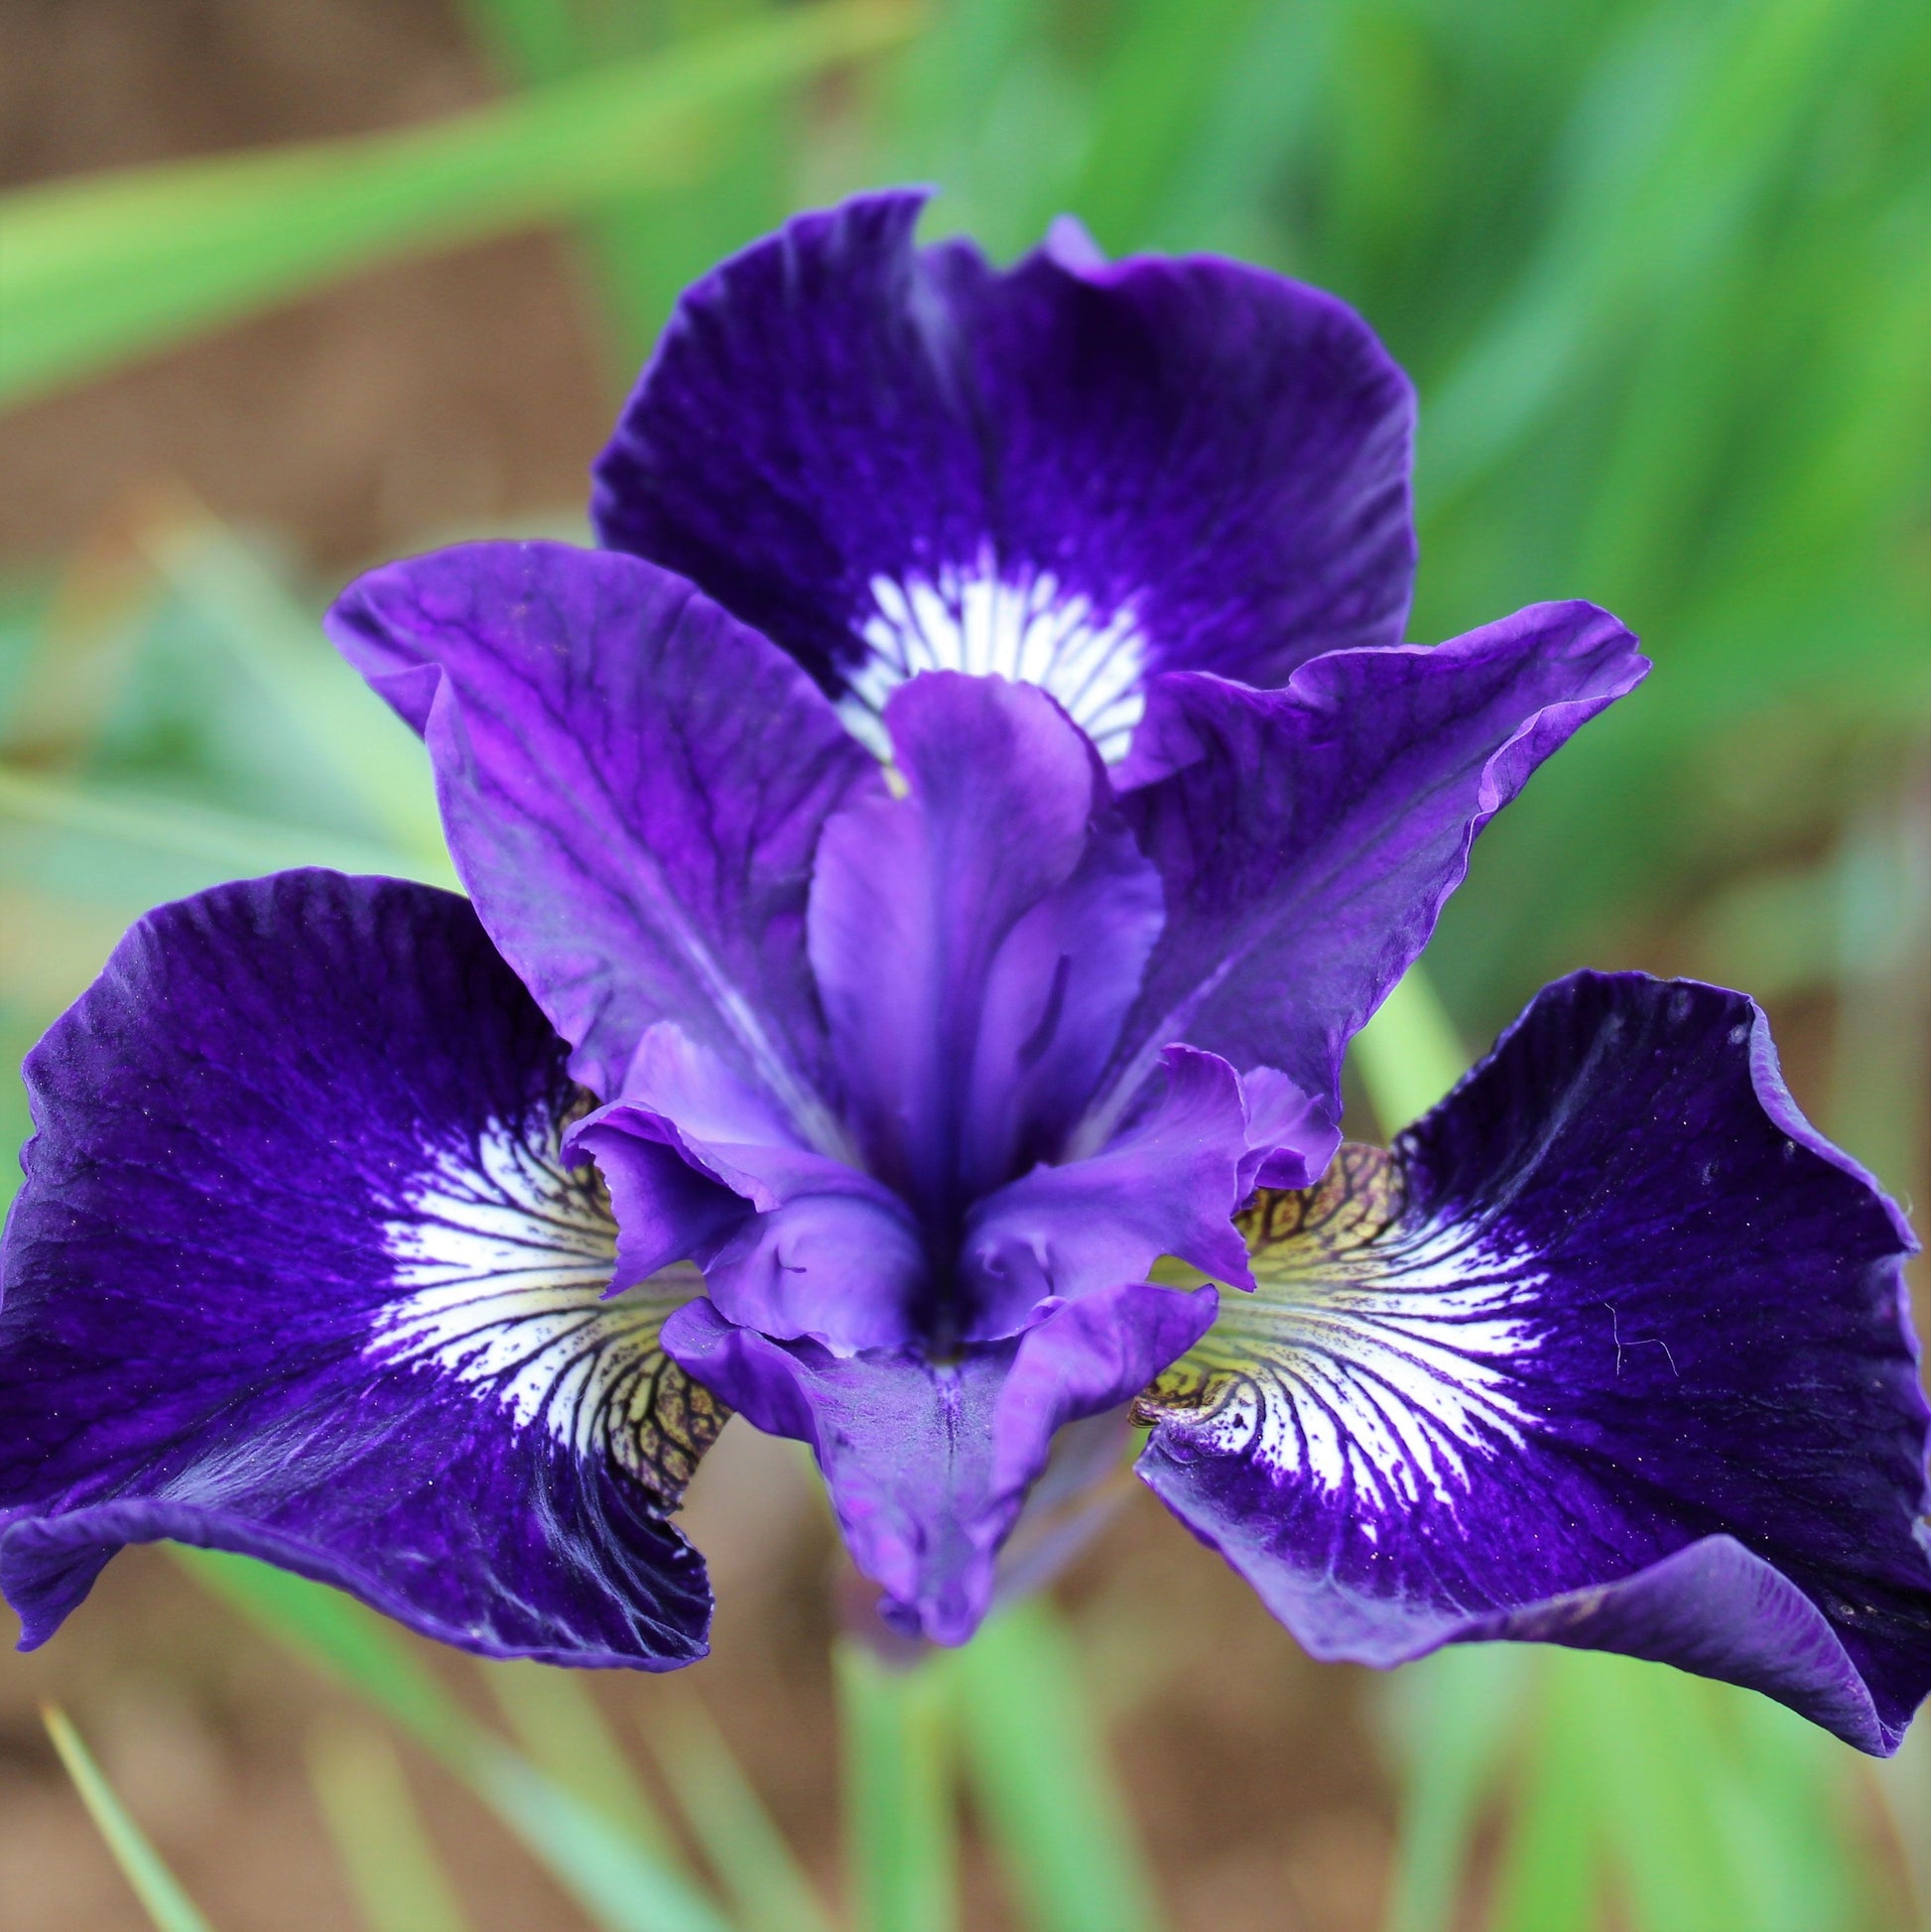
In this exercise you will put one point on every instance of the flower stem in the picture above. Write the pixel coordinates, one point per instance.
(902, 1846)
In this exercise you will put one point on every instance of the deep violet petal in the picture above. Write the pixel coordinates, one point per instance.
(891, 459)
(1308, 838)
(298, 1270)
(1612, 1351)
(632, 784)
(1166, 1185)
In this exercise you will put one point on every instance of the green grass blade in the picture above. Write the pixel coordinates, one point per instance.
(1659, 1774)
(384, 1852)
(1164, 74)
(768, 1889)
(1408, 1055)
(645, 250)
(1454, 1715)
(160, 1893)
(1675, 141)
(1551, 1868)
(611, 1875)
(372, 757)
(564, 1734)
(619, 1882)
(903, 1854)
(1784, 1806)
(342, 1638)
(531, 40)
(234, 845)
(1039, 1770)
(1903, 1794)
(95, 270)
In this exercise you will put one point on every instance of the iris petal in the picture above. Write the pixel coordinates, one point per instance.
(1167, 1184)
(1610, 1352)
(929, 1462)
(1308, 838)
(299, 1269)
(978, 941)
(632, 785)
(895, 460)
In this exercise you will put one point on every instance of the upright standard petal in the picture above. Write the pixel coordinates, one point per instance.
(895, 460)
(1307, 837)
(298, 1270)
(929, 1462)
(976, 942)
(633, 786)
(1612, 1351)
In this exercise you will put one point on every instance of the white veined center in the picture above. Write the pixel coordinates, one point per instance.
(502, 1256)
(1026, 627)
(1379, 1376)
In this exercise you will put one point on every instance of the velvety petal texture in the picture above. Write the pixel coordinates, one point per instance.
(1612, 1351)
(633, 786)
(1307, 837)
(893, 460)
(299, 1270)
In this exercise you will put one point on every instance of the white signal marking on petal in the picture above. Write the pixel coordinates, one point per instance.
(1385, 1382)
(1028, 628)
(502, 1256)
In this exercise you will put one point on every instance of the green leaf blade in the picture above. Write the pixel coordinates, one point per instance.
(617, 1881)
(157, 1889)
(384, 1852)
(95, 270)
(896, 1737)
(1039, 1768)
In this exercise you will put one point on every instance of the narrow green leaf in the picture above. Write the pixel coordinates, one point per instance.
(337, 1635)
(241, 608)
(757, 1869)
(1675, 141)
(1551, 1870)
(110, 266)
(1661, 1771)
(1454, 1716)
(1408, 1055)
(644, 250)
(619, 1882)
(564, 1734)
(531, 40)
(384, 1852)
(1164, 74)
(1709, 1805)
(1903, 1791)
(616, 1881)
(160, 1893)
(234, 845)
(1040, 1771)
(903, 1854)
(1785, 1806)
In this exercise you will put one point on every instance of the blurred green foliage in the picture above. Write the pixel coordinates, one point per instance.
(1662, 272)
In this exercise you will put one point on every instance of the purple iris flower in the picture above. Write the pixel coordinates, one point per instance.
(923, 875)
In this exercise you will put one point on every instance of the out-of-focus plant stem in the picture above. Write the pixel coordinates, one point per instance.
(902, 1850)
(160, 1893)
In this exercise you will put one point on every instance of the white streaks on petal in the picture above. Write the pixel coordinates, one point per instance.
(502, 1256)
(1377, 1363)
(1026, 627)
